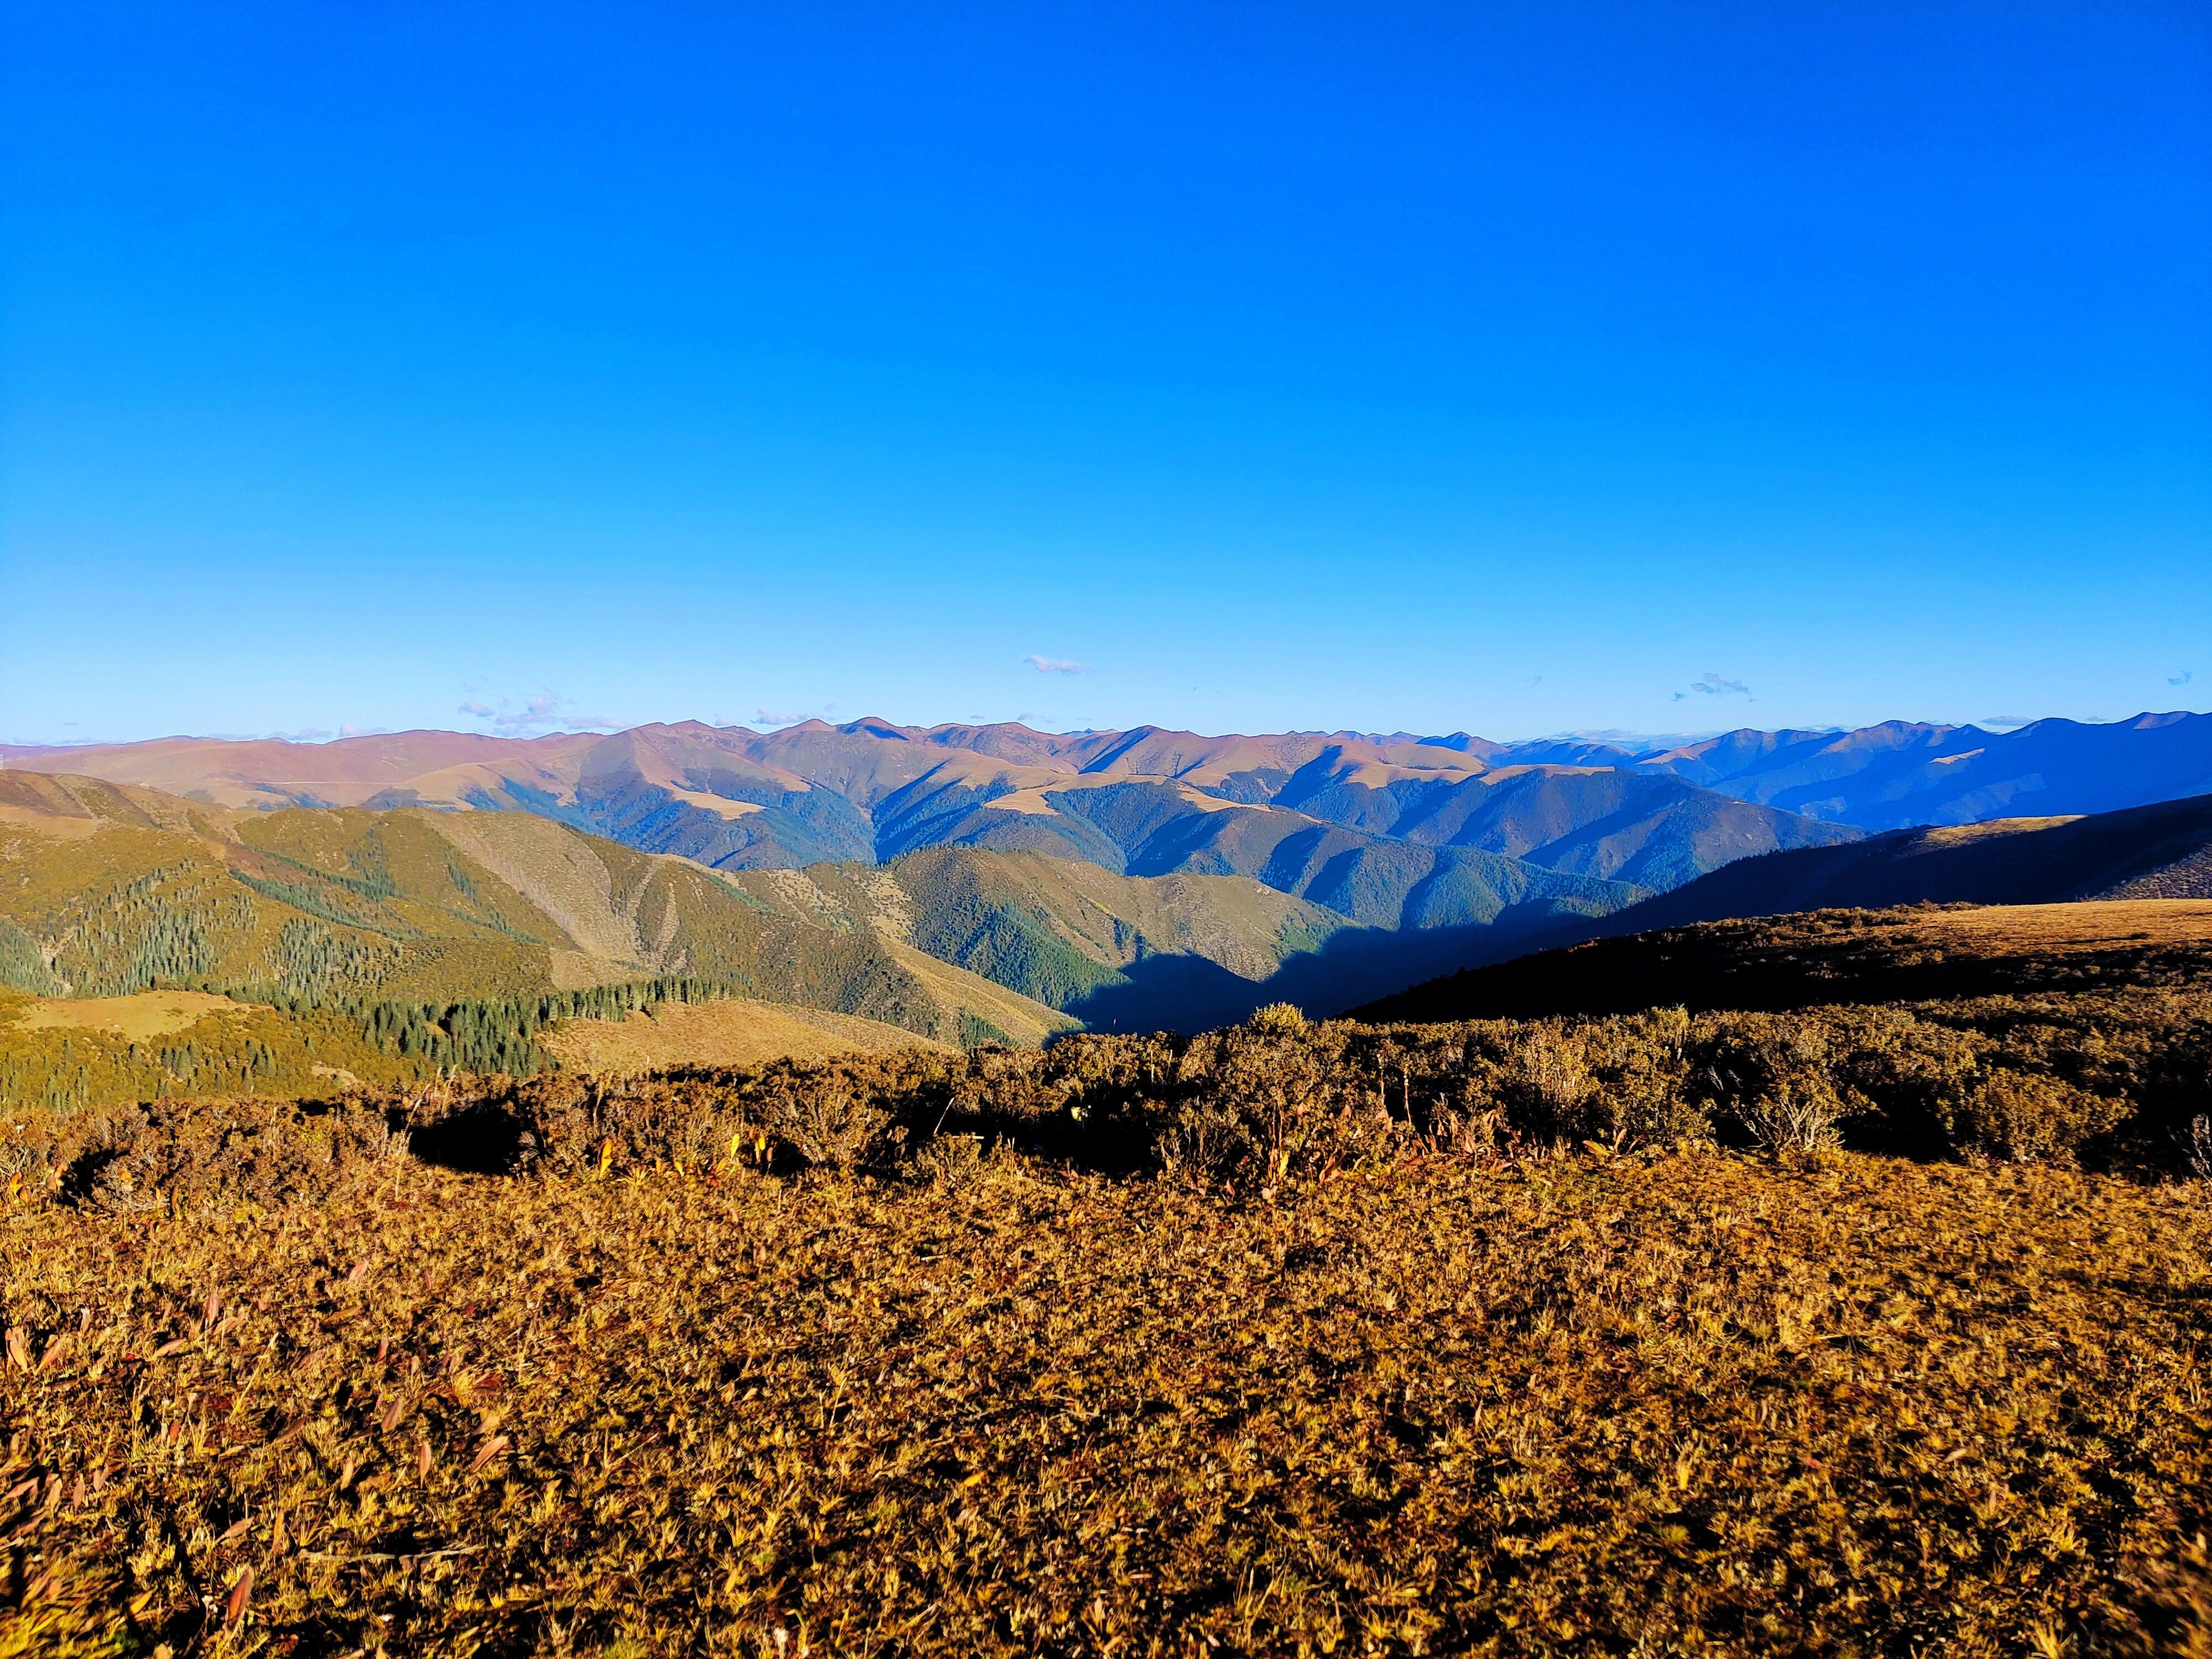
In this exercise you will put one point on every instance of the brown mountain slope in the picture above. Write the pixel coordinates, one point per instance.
(351, 772)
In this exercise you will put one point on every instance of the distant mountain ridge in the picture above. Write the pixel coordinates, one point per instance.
(1389, 831)
(1456, 836)
(1899, 774)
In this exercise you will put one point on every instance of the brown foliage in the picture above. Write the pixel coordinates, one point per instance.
(913, 1354)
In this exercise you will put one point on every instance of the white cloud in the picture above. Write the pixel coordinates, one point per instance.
(1054, 666)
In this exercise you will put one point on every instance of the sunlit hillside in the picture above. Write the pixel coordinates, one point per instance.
(438, 939)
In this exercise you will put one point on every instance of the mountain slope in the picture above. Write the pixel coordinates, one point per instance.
(1826, 956)
(1057, 929)
(2145, 851)
(1654, 831)
(117, 889)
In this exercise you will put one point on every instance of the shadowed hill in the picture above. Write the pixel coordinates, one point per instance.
(2161, 852)
(2157, 851)
(1774, 962)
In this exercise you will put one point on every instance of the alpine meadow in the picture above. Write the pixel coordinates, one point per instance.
(1432, 1014)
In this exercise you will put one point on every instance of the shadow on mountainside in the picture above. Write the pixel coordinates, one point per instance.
(1191, 993)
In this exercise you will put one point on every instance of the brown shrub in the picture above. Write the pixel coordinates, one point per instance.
(2028, 1117)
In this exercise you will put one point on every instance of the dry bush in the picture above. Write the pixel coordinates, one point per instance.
(2031, 1118)
(830, 1124)
(1796, 1121)
(1204, 1140)
(950, 1160)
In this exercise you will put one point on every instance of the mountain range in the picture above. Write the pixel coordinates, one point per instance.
(869, 790)
(1304, 812)
(1117, 879)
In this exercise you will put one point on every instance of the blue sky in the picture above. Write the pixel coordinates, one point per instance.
(1516, 369)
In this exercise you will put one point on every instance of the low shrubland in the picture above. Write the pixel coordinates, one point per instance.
(2112, 1081)
(1874, 1330)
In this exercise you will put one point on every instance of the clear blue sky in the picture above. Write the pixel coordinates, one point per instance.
(1517, 368)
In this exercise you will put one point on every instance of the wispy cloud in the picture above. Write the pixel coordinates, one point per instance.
(1714, 685)
(545, 712)
(2182, 678)
(1054, 666)
(770, 717)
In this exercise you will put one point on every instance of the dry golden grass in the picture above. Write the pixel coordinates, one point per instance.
(2088, 924)
(735, 1033)
(1688, 1404)
(135, 1018)
(1290, 1338)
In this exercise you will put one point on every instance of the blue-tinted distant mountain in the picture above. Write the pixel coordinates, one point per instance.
(1900, 774)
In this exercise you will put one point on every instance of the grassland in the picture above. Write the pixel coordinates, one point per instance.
(719, 1035)
(1630, 1335)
